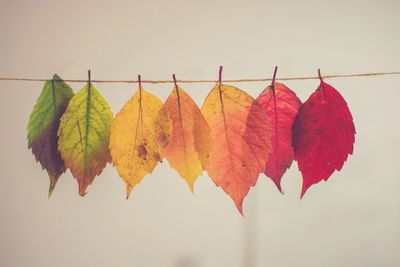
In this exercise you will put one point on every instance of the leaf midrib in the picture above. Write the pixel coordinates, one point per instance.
(87, 128)
(182, 131)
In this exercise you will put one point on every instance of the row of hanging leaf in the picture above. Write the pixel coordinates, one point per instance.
(234, 137)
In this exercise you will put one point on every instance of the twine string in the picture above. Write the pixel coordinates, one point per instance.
(370, 74)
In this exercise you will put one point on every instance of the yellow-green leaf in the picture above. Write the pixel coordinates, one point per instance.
(84, 136)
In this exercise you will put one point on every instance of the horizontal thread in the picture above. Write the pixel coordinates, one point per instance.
(371, 74)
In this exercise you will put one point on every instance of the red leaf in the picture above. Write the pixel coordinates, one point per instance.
(281, 106)
(323, 135)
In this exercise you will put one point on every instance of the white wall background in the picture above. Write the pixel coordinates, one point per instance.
(352, 220)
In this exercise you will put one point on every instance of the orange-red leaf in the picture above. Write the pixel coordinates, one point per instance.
(281, 106)
(188, 150)
(240, 134)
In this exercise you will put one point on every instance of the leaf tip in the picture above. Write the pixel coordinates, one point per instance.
(278, 185)
(303, 191)
(82, 191)
(53, 182)
(191, 187)
(239, 206)
(241, 211)
(128, 191)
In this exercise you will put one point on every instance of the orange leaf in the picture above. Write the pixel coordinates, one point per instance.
(188, 151)
(240, 134)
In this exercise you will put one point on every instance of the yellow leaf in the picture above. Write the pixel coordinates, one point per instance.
(139, 135)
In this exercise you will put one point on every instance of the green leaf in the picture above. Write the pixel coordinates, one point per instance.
(43, 126)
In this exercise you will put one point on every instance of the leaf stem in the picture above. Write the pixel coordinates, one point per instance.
(322, 84)
(319, 75)
(89, 77)
(140, 86)
(274, 76)
(139, 80)
(174, 78)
